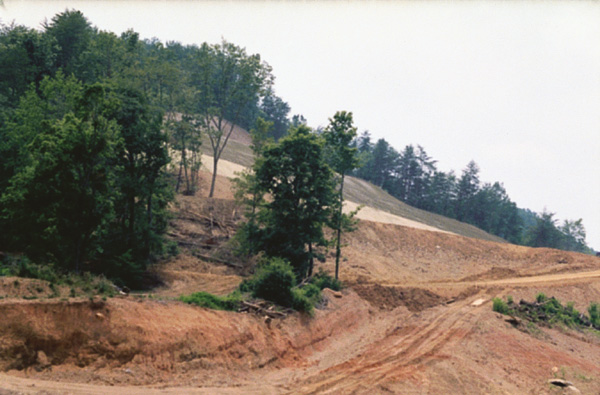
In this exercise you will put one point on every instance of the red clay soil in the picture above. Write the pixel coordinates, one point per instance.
(407, 323)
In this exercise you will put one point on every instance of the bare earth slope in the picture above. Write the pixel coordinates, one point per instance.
(416, 317)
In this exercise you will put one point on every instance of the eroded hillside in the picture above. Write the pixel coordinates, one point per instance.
(416, 317)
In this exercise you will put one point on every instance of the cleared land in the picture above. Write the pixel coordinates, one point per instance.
(416, 317)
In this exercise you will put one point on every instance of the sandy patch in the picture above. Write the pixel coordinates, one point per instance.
(231, 170)
(375, 215)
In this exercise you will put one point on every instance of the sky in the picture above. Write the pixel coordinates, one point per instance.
(514, 86)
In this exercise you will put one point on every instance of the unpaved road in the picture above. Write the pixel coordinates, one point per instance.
(392, 363)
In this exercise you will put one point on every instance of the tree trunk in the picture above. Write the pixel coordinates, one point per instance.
(214, 177)
(338, 249)
(311, 262)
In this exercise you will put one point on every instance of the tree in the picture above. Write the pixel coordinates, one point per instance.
(187, 140)
(342, 158)
(468, 186)
(229, 82)
(141, 178)
(73, 33)
(274, 109)
(544, 233)
(25, 57)
(574, 235)
(248, 191)
(61, 195)
(302, 193)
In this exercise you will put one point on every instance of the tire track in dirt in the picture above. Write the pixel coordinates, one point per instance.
(406, 350)
(400, 355)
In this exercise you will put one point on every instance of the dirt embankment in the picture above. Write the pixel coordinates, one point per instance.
(124, 341)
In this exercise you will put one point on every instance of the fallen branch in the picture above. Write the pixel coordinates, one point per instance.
(217, 260)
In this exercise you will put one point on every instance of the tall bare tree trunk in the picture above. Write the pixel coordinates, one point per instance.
(338, 249)
(214, 177)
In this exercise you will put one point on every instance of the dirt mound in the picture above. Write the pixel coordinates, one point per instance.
(388, 298)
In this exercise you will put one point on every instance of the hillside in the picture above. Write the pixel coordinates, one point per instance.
(356, 191)
(415, 318)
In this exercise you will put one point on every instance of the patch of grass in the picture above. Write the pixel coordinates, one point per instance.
(87, 283)
(204, 299)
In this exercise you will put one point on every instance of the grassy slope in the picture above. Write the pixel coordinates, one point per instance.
(365, 193)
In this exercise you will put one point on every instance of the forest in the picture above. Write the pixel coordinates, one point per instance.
(98, 132)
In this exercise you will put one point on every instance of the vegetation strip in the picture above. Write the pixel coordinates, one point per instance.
(549, 312)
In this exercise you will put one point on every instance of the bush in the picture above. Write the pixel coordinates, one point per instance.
(205, 299)
(273, 281)
(594, 311)
(541, 297)
(323, 280)
(499, 306)
(301, 302)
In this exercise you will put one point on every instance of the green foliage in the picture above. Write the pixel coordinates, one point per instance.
(342, 158)
(550, 312)
(21, 266)
(500, 306)
(594, 312)
(541, 297)
(205, 299)
(230, 82)
(303, 302)
(323, 280)
(300, 184)
(274, 280)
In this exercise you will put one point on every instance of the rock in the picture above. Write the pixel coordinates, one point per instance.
(478, 302)
(516, 321)
(335, 294)
(560, 383)
(100, 316)
(42, 361)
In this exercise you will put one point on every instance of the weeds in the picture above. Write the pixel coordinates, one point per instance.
(204, 299)
(86, 283)
(550, 312)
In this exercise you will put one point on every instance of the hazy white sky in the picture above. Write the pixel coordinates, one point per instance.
(514, 86)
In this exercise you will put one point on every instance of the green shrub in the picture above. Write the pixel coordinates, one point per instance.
(273, 281)
(301, 302)
(500, 306)
(541, 298)
(324, 280)
(312, 292)
(594, 311)
(553, 306)
(205, 299)
(509, 299)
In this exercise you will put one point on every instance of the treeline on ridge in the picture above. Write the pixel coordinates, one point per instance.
(412, 177)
